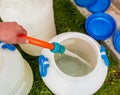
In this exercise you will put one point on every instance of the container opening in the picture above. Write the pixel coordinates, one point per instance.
(73, 66)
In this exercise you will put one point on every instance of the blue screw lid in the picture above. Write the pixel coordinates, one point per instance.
(100, 26)
(99, 6)
(85, 3)
(116, 41)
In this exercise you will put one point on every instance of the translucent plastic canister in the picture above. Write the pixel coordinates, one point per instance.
(65, 78)
(16, 77)
(36, 16)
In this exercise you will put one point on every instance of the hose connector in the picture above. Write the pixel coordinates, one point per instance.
(58, 48)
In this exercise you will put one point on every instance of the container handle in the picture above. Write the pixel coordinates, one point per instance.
(104, 55)
(43, 65)
(7, 46)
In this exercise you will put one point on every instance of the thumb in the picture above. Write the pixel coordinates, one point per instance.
(22, 41)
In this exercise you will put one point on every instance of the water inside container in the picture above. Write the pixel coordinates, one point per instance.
(72, 54)
(72, 65)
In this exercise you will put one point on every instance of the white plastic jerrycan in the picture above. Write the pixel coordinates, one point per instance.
(36, 16)
(16, 77)
(66, 75)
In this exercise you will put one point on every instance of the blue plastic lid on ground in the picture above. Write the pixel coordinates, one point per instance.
(85, 3)
(100, 26)
(116, 41)
(99, 6)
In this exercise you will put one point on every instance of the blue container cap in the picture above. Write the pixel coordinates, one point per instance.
(85, 3)
(99, 6)
(100, 26)
(116, 41)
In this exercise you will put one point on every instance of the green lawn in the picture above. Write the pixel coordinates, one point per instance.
(67, 18)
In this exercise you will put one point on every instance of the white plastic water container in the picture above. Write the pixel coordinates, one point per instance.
(16, 77)
(36, 16)
(62, 82)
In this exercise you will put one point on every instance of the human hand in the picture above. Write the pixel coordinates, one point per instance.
(9, 32)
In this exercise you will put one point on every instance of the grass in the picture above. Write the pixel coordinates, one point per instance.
(67, 18)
